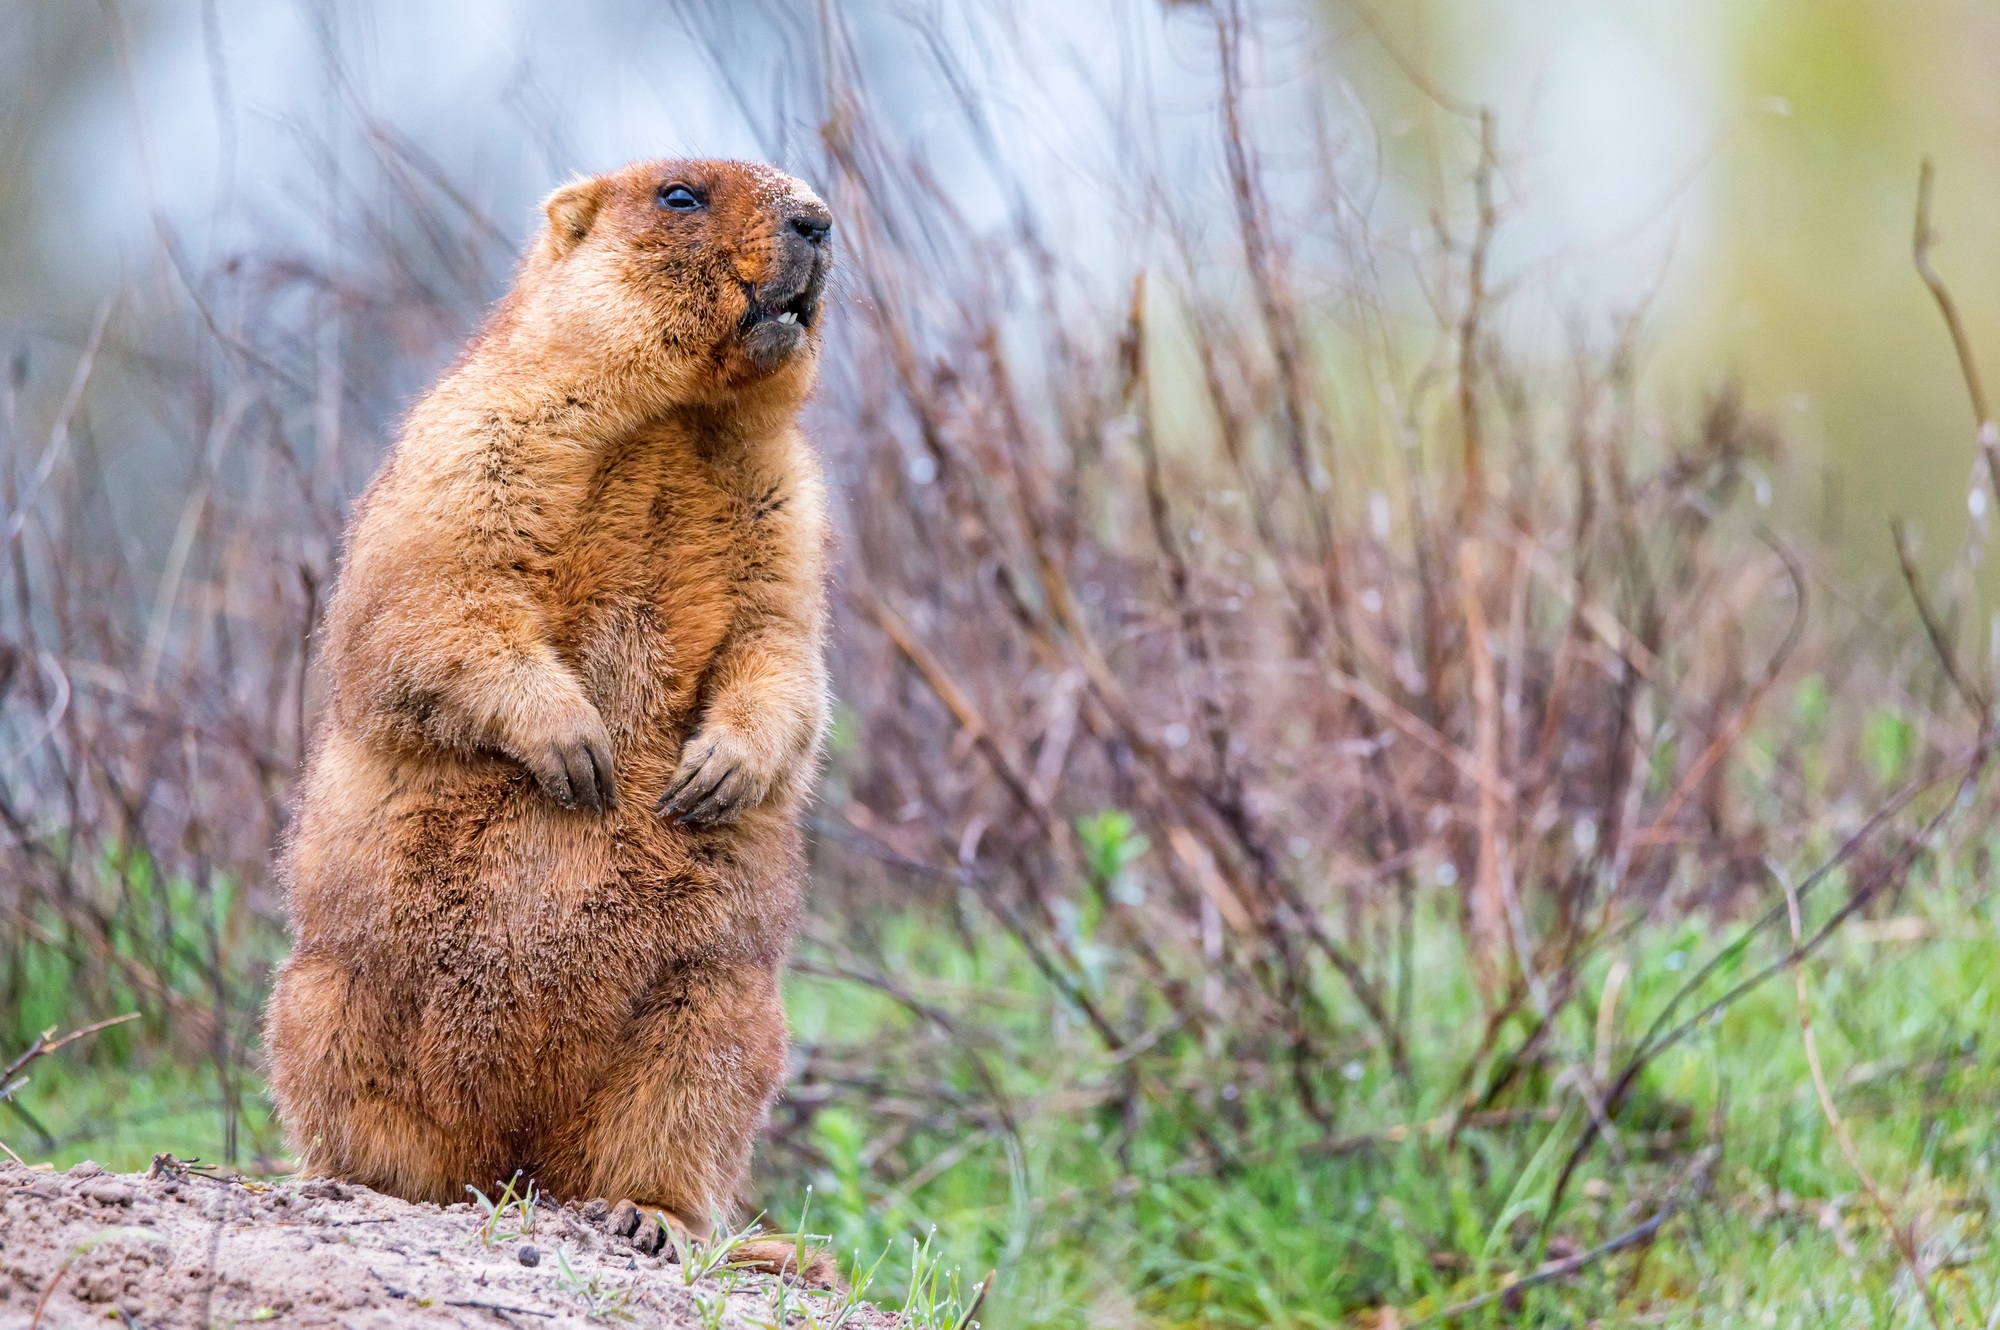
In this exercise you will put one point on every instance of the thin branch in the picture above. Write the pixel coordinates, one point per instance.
(1631, 1237)
(1941, 643)
(46, 1044)
(1663, 1034)
(501, 1308)
(1904, 1242)
(1961, 342)
(1474, 460)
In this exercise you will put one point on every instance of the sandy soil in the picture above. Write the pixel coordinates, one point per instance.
(174, 1248)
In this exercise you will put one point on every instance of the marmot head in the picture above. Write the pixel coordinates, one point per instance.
(701, 278)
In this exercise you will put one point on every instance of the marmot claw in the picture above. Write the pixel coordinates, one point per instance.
(576, 770)
(713, 784)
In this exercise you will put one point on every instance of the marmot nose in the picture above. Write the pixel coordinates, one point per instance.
(814, 229)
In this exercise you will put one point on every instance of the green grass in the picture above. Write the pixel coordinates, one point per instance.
(1775, 1231)
(1096, 1218)
(119, 1095)
(120, 1112)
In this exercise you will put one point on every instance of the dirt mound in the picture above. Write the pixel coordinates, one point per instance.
(180, 1248)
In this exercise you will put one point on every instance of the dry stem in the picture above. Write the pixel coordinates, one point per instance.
(1904, 1242)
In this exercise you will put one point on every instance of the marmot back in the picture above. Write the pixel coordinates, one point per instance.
(545, 863)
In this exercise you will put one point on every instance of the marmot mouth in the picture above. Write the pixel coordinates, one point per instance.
(773, 330)
(780, 314)
(801, 309)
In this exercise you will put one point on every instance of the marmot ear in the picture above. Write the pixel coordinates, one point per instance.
(571, 210)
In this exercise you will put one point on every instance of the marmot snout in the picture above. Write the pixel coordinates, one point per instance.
(545, 864)
(624, 253)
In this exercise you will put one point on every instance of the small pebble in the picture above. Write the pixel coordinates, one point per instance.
(528, 1256)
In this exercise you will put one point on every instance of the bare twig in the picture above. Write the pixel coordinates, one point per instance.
(1940, 638)
(1961, 341)
(978, 1301)
(1905, 1244)
(1631, 1237)
(1664, 1032)
(1488, 903)
(502, 1308)
(49, 1290)
(45, 1043)
(1473, 449)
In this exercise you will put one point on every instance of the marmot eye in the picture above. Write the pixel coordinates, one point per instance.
(679, 198)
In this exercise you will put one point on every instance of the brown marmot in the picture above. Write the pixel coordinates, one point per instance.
(545, 863)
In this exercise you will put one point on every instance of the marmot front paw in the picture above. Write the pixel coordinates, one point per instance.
(572, 761)
(719, 779)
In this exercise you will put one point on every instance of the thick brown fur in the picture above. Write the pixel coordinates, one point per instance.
(589, 575)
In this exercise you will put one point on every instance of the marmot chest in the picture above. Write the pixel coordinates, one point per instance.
(650, 583)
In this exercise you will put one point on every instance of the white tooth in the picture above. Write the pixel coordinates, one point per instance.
(788, 317)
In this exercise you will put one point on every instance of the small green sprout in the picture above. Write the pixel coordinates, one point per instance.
(514, 1200)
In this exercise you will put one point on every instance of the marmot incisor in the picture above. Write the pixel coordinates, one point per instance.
(546, 859)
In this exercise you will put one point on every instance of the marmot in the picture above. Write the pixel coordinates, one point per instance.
(545, 861)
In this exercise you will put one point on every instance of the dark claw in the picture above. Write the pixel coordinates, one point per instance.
(703, 809)
(688, 803)
(607, 783)
(582, 780)
(583, 777)
(714, 801)
(670, 801)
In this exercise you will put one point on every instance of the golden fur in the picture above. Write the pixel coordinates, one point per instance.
(589, 575)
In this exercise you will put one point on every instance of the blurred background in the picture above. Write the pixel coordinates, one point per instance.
(1369, 646)
(1745, 171)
